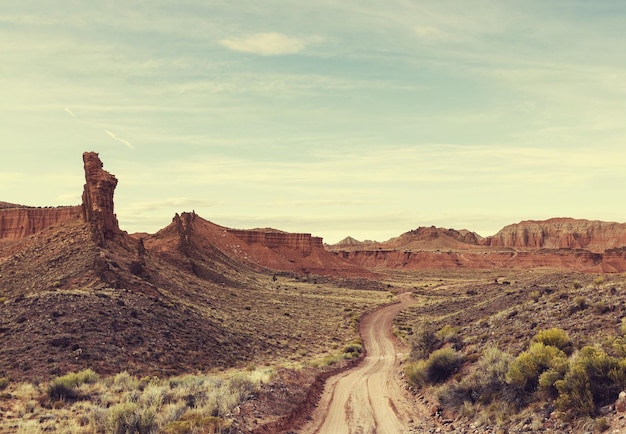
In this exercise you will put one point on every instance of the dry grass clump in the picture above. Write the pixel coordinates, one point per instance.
(352, 350)
(82, 403)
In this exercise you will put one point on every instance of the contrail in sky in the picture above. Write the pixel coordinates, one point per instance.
(114, 137)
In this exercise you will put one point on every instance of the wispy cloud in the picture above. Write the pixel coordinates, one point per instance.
(430, 33)
(70, 112)
(114, 137)
(265, 44)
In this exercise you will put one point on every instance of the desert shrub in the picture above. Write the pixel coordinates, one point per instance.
(534, 296)
(577, 284)
(598, 281)
(575, 393)
(423, 343)
(441, 364)
(622, 327)
(555, 337)
(483, 385)
(447, 332)
(594, 379)
(195, 422)
(241, 386)
(131, 418)
(415, 373)
(4, 382)
(65, 387)
(352, 350)
(580, 303)
(123, 382)
(525, 370)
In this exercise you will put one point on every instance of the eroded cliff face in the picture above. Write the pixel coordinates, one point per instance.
(304, 243)
(561, 233)
(569, 259)
(20, 222)
(98, 208)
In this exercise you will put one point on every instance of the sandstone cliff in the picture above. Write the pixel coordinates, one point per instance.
(273, 239)
(560, 233)
(20, 222)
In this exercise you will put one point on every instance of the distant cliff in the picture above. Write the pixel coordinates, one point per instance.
(273, 239)
(20, 222)
(561, 233)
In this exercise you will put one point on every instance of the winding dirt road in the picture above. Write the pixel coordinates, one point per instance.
(368, 399)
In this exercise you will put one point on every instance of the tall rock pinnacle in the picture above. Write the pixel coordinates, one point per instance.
(98, 198)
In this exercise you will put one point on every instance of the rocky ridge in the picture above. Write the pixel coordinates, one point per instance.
(566, 243)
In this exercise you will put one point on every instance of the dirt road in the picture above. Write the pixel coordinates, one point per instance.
(368, 399)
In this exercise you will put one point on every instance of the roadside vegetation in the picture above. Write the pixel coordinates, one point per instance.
(82, 402)
(534, 351)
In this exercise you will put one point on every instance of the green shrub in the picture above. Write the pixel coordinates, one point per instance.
(4, 382)
(555, 337)
(483, 385)
(594, 379)
(131, 418)
(64, 388)
(577, 284)
(441, 364)
(622, 327)
(598, 281)
(580, 303)
(423, 342)
(575, 393)
(525, 370)
(352, 350)
(447, 332)
(594, 371)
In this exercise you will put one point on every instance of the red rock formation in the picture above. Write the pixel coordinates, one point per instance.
(98, 198)
(433, 238)
(20, 222)
(560, 233)
(579, 260)
(274, 239)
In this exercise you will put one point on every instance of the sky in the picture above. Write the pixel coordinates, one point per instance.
(366, 118)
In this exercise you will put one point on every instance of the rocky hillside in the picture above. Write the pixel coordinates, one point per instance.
(80, 292)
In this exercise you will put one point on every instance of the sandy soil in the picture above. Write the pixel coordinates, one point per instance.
(369, 398)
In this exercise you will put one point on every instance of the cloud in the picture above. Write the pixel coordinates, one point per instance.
(114, 137)
(430, 33)
(265, 44)
(70, 112)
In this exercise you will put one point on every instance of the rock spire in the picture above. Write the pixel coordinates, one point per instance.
(98, 199)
